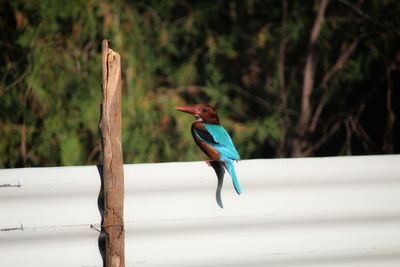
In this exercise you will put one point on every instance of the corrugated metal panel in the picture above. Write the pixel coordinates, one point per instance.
(45, 217)
(341, 211)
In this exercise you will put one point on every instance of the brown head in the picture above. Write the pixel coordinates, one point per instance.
(202, 112)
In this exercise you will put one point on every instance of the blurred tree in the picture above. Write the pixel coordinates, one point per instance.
(289, 78)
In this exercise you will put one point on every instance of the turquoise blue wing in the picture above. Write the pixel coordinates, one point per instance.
(222, 142)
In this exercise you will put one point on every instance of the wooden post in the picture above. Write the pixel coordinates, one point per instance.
(113, 173)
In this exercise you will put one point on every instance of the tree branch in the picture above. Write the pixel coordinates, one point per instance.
(308, 82)
(280, 151)
(281, 60)
(308, 78)
(325, 137)
(390, 117)
(339, 65)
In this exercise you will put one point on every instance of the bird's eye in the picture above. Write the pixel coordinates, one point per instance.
(204, 110)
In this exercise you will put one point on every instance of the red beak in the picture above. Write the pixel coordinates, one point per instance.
(188, 109)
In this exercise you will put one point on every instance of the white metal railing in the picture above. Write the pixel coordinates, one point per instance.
(338, 211)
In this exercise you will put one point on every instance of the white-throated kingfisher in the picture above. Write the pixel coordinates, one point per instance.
(213, 139)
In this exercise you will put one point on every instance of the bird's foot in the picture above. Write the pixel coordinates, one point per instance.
(209, 162)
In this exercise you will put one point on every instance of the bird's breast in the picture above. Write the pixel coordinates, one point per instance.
(211, 152)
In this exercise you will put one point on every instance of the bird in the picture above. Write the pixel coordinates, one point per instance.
(213, 139)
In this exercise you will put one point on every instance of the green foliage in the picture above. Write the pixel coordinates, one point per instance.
(176, 52)
(70, 149)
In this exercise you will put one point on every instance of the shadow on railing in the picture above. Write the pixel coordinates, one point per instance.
(100, 204)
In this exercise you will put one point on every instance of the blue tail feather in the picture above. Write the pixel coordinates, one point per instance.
(231, 170)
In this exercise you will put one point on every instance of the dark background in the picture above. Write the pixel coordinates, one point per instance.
(250, 59)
